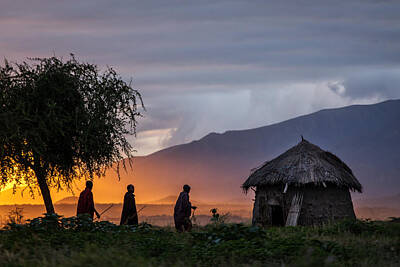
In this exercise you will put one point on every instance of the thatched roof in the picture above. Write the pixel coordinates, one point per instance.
(304, 164)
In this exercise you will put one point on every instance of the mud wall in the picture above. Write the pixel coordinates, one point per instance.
(320, 204)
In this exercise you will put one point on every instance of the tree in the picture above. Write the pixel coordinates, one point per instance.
(61, 121)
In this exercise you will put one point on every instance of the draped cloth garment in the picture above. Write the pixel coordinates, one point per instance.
(86, 203)
(182, 211)
(129, 214)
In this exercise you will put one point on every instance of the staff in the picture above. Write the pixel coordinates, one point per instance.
(134, 215)
(104, 211)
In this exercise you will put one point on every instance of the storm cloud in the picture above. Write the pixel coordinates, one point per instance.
(372, 83)
(206, 66)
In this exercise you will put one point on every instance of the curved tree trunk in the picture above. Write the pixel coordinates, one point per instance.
(44, 189)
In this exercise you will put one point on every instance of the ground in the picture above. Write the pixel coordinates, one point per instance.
(52, 241)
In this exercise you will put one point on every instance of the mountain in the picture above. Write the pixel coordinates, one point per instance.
(68, 200)
(392, 201)
(366, 137)
(171, 200)
(164, 200)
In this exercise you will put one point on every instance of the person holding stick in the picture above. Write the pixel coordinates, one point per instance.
(129, 214)
(182, 211)
(86, 202)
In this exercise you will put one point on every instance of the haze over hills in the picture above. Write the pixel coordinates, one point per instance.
(23, 196)
(172, 200)
(392, 202)
(366, 137)
(165, 200)
(68, 200)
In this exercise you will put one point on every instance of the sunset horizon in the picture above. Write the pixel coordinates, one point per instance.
(199, 133)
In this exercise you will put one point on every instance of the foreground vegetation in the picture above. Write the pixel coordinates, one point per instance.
(56, 241)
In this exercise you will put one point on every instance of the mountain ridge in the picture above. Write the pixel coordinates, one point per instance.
(216, 134)
(364, 136)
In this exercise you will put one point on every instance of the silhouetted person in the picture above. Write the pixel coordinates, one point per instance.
(86, 203)
(183, 209)
(129, 214)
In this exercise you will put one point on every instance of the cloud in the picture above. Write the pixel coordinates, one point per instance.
(192, 116)
(206, 66)
(382, 84)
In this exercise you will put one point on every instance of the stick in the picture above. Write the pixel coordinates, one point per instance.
(104, 211)
(141, 209)
(137, 212)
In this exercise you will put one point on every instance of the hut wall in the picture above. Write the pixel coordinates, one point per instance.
(265, 199)
(320, 204)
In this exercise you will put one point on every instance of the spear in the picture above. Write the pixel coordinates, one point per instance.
(104, 211)
(131, 217)
(141, 209)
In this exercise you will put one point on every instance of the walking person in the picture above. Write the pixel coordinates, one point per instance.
(129, 214)
(182, 211)
(86, 202)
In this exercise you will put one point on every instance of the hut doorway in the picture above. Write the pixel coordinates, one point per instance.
(277, 215)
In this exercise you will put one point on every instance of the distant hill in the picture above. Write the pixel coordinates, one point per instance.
(164, 200)
(170, 200)
(366, 137)
(387, 201)
(68, 200)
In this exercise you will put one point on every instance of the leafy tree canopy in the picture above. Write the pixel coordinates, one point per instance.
(61, 121)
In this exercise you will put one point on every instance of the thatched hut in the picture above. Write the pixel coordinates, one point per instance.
(304, 186)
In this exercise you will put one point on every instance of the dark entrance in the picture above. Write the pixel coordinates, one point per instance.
(277, 215)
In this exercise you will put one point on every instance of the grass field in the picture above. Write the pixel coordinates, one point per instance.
(53, 241)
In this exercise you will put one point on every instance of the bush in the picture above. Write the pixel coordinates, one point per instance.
(52, 240)
(357, 227)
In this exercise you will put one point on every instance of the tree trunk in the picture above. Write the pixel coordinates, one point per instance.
(44, 189)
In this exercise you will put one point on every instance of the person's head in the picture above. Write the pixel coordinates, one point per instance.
(89, 184)
(130, 188)
(186, 188)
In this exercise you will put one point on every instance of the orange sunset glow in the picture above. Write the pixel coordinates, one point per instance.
(106, 190)
(199, 133)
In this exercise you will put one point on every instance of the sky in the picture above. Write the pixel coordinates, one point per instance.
(212, 66)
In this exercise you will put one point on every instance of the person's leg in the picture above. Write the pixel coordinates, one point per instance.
(132, 222)
(178, 226)
(187, 225)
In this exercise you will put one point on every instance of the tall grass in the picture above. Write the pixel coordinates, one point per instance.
(56, 241)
